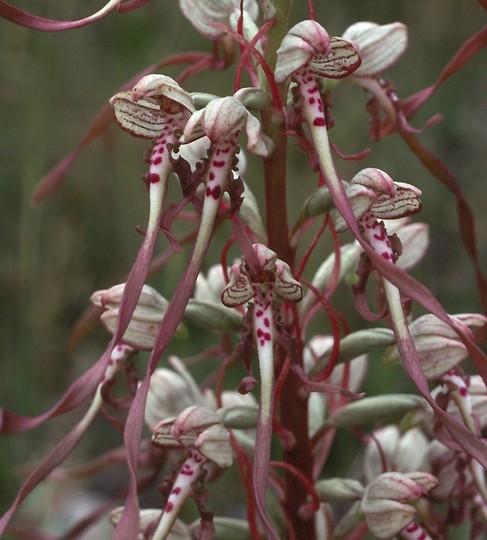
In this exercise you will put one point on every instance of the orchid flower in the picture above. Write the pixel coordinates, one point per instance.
(157, 108)
(266, 286)
(373, 195)
(198, 430)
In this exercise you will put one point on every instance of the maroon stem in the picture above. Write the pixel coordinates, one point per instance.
(294, 418)
(293, 408)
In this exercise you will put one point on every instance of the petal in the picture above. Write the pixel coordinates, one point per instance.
(258, 143)
(202, 13)
(394, 486)
(303, 41)
(361, 200)
(376, 180)
(341, 60)
(287, 287)
(405, 202)
(143, 119)
(379, 46)
(161, 86)
(239, 291)
(387, 518)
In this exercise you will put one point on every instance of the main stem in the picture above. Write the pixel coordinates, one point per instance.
(293, 409)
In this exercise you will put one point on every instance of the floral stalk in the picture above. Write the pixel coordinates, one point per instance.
(268, 284)
(180, 492)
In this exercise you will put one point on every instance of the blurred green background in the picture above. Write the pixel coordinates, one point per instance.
(83, 238)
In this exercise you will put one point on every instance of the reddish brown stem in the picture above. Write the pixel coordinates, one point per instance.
(293, 407)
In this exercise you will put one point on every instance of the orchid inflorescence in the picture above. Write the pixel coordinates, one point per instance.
(423, 459)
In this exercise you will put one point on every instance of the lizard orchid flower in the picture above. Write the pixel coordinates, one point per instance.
(267, 286)
(373, 195)
(306, 53)
(200, 431)
(157, 108)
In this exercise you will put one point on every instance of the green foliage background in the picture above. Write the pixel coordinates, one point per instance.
(83, 238)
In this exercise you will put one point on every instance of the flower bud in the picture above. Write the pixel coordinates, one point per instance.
(338, 490)
(146, 319)
(142, 329)
(386, 518)
(379, 46)
(394, 486)
(213, 317)
(240, 417)
(438, 345)
(428, 481)
(226, 528)
(203, 15)
(383, 503)
(111, 298)
(370, 409)
(352, 346)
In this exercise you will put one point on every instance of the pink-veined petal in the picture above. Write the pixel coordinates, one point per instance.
(341, 61)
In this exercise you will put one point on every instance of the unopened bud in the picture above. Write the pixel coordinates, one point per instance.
(146, 319)
(111, 298)
(213, 317)
(383, 502)
(439, 346)
(226, 528)
(240, 417)
(371, 409)
(338, 490)
(142, 329)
